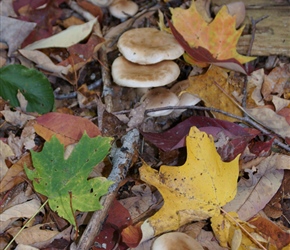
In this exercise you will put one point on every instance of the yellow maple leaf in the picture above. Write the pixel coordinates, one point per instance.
(193, 191)
(219, 37)
(205, 87)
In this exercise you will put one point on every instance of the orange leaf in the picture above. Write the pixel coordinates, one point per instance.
(67, 128)
(279, 237)
(219, 37)
(132, 235)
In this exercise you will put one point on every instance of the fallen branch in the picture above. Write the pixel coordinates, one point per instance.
(122, 161)
(106, 77)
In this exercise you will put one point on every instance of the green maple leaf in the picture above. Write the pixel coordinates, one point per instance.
(65, 181)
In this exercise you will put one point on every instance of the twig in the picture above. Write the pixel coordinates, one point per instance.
(253, 34)
(23, 227)
(243, 229)
(122, 160)
(71, 95)
(243, 119)
(106, 76)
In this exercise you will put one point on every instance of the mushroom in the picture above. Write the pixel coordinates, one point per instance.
(185, 98)
(123, 9)
(146, 62)
(101, 3)
(159, 98)
(176, 240)
(149, 46)
(128, 74)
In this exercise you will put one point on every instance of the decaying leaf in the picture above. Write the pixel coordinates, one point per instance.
(193, 191)
(271, 120)
(13, 32)
(26, 209)
(271, 231)
(256, 191)
(5, 152)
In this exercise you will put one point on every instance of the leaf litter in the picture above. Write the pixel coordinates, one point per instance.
(239, 164)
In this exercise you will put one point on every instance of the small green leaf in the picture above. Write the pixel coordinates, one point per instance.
(33, 85)
(56, 177)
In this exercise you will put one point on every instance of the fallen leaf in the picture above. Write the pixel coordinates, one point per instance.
(67, 128)
(205, 86)
(141, 202)
(186, 196)
(219, 37)
(271, 120)
(237, 137)
(70, 36)
(285, 112)
(279, 237)
(64, 181)
(44, 62)
(229, 234)
(32, 235)
(25, 247)
(275, 82)
(92, 8)
(16, 118)
(132, 235)
(43, 12)
(33, 85)
(202, 57)
(207, 240)
(255, 192)
(23, 210)
(13, 32)
(255, 81)
(7, 9)
(5, 152)
(280, 103)
(15, 174)
(109, 237)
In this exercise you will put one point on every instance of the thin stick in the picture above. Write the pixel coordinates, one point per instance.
(122, 160)
(23, 227)
(106, 76)
(73, 213)
(243, 119)
(253, 34)
(244, 230)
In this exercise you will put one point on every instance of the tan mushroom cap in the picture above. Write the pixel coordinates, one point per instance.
(123, 9)
(130, 74)
(176, 240)
(148, 46)
(159, 98)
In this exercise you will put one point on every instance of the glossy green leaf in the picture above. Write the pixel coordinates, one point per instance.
(65, 181)
(33, 85)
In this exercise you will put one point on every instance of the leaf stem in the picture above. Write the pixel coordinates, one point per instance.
(23, 227)
(73, 213)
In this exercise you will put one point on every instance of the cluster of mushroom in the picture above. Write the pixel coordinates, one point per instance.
(147, 62)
